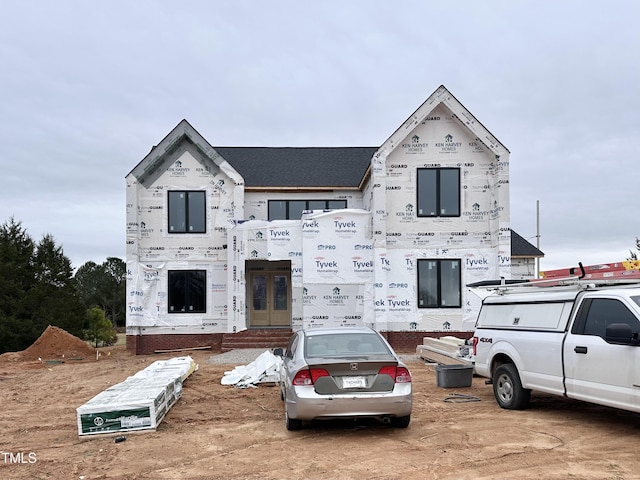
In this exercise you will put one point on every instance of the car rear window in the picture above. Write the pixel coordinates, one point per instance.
(345, 344)
(636, 299)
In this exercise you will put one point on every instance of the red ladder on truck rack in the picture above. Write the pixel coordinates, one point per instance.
(629, 269)
(580, 277)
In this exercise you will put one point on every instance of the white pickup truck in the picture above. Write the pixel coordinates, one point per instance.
(579, 341)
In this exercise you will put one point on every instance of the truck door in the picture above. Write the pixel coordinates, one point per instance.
(597, 371)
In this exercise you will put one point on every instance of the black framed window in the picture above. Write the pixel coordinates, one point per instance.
(439, 283)
(438, 192)
(187, 211)
(187, 291)
(292, 209)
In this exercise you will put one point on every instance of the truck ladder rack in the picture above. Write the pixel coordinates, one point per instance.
(572, 282)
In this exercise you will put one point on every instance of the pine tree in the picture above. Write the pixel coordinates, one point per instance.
(99, 330)
(37, 289)
(54, 300)
(16, 280)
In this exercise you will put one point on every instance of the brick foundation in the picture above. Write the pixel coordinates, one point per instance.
(148, 344)
(408, 341)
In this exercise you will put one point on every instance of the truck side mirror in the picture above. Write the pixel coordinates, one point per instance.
(621, 334)
(278, 352)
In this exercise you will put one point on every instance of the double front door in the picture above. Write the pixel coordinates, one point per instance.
(270, 298)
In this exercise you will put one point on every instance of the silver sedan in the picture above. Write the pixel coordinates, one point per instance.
(346, 372)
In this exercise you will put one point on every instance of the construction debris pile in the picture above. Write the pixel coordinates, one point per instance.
(263, 369)
(447, 350)
(138, 403)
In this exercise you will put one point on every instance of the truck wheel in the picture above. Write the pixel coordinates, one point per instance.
(507, 388)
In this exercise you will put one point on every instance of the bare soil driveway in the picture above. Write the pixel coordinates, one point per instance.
(219, 432)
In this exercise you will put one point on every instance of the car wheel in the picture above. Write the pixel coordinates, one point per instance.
(292, 423)
(401, 422)
(507, 388)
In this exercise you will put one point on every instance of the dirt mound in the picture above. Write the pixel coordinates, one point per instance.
(57, 344)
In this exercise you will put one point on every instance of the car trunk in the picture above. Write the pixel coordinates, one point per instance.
(358, 374)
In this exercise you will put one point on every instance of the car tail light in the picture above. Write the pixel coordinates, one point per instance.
(403, 375)
(474, 341)
(399, 374)
(316, 373)
(308, 377)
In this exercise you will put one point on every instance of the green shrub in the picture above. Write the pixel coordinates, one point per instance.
(100, 331)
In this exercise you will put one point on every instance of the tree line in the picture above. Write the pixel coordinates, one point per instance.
(38, 288)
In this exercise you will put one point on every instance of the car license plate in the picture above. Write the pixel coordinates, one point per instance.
(354, 382)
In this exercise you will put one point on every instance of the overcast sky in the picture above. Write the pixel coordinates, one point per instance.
(87, 88)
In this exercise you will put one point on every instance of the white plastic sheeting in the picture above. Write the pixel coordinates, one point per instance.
(261, 240)
(339, 279)
(338, 264)
(348, 267)
(337, 247)
(148, 296)
(263, 369)
(152, 251)
(440, 134)
(331, 266)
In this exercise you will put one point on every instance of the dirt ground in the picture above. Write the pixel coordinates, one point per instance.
(220, 432)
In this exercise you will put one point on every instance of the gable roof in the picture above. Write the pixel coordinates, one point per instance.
(522, 248)
(307, 168)
(339, 167)
(300, 168)
(313, 168)
(446, 98)
(182, 137)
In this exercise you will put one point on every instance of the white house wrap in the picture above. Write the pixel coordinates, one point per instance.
(382, 236)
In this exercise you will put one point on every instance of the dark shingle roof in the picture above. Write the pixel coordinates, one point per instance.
(309, 167)
(522, 248)
(290, 167)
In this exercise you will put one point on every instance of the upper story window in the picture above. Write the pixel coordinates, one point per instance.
(292, 209)
(187, 291)
(439, 283)
(438, 192)
(187, 211)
